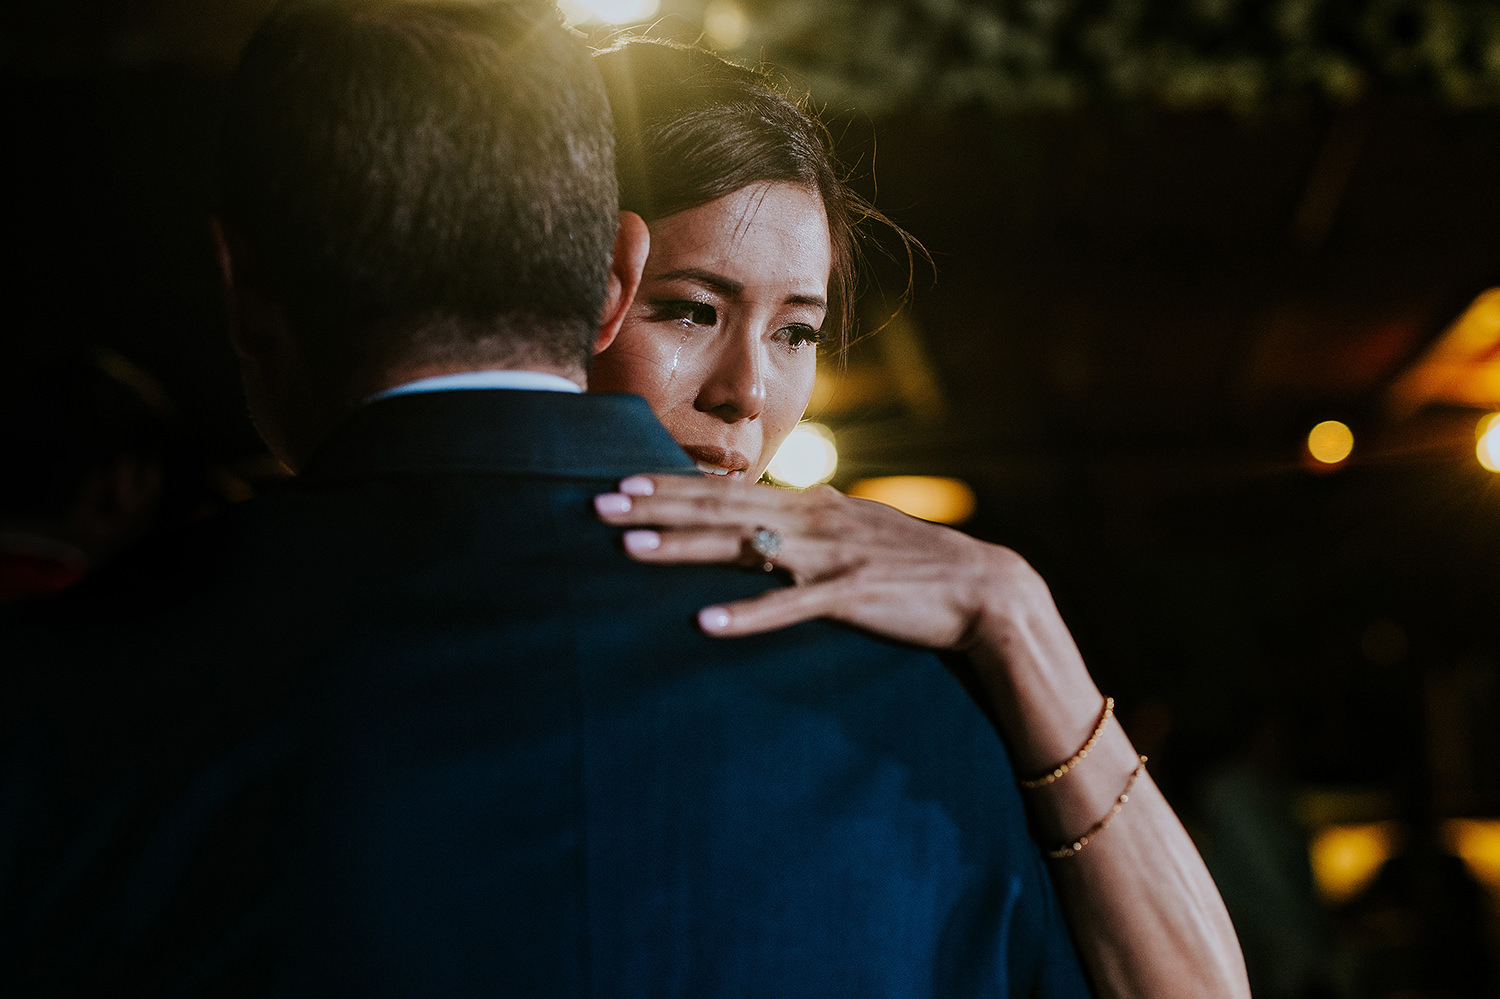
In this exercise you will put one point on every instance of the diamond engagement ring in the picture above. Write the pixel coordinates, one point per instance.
(766, 543)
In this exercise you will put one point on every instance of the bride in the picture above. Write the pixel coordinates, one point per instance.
(751, 267)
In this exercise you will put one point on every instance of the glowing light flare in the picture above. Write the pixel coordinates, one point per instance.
(1330, 442)
(1346, 858)
(930, 497)
(608, 11)
(726, 24)
(808, 456)
(1487, 447)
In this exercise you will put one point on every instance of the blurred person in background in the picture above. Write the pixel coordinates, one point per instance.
(85, 437)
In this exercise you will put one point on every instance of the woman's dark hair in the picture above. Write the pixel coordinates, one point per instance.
(691, 128)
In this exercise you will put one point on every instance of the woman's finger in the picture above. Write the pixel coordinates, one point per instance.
(701, 510)
(769, 611)
(727, 546)
(706, 546)
(680, 501)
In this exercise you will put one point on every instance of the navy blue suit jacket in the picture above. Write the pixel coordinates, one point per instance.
(415, 726)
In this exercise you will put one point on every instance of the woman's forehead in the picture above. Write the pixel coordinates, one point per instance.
(762, 232)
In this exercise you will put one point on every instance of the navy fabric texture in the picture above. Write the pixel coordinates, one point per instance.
(415, 726)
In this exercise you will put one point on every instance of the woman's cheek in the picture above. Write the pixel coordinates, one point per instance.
(798, 390)
(631, 364)
(794, 392)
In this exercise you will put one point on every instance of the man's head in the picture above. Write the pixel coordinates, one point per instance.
(411, 186)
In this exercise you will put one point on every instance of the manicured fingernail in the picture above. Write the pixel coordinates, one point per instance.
(608, 503)
(713, 619)
(637, 485)
(642, 541)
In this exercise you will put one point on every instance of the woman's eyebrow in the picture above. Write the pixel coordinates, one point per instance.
(714, 282)
(729, 288)
(817, 301)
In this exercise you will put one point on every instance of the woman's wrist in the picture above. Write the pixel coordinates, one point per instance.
(1064, 810)
(1039, 689)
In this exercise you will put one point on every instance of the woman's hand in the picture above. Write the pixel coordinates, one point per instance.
(1146, 915)
(873, 567)
(855, 561)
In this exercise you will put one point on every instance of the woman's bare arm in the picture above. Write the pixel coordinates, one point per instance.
(1146, 916)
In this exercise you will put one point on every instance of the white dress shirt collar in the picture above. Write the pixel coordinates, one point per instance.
(536, 381)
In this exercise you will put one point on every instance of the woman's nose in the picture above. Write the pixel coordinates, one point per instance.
(735, 388)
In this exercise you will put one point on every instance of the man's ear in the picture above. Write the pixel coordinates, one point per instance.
(632, 242)
(276, 387)
(250, 315)
(228, 252)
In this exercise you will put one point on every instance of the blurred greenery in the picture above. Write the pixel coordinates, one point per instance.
(939, 55)
(1023, 55)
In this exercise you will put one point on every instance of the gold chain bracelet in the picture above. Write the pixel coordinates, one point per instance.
(1062, 768)
(1069, 849)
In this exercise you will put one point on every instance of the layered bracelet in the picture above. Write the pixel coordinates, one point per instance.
(1069, 849)
(1061, 769)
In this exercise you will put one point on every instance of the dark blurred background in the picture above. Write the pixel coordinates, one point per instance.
(1167, 239)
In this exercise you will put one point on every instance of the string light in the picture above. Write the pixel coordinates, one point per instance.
(1330, 442)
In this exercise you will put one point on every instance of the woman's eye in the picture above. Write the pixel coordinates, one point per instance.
(800, 335)
(688, 312)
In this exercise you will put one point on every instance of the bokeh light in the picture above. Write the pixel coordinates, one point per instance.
(1488, 446)
(930, 497)
(1477, 841)
(1346, 858)
(808, 456)
(1330, 442)
(726, 24)
(607, 11)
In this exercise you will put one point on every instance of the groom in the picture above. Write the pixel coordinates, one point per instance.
(414, 725)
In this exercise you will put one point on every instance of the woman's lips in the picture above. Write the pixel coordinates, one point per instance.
(713, 460)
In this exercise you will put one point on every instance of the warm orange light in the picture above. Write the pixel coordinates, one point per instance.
(1488, 445)
(943, 501)
(1477, 841)
(1346, 858)
(1462, 367)
(1330, 442)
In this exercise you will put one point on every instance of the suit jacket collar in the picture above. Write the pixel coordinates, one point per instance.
(603, 435)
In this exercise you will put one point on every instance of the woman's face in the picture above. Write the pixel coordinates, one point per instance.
(722, 336)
